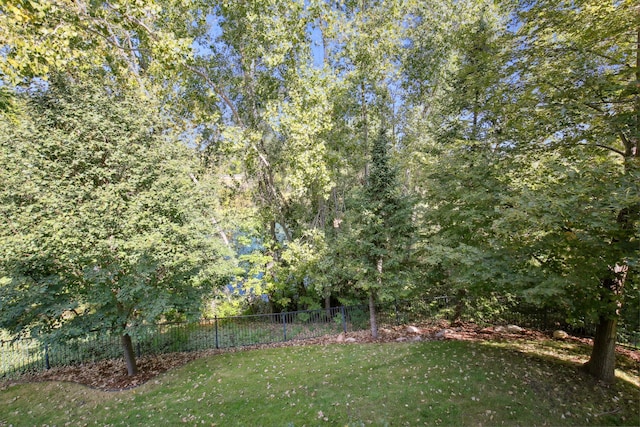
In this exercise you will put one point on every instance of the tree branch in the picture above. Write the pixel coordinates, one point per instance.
(229, 104)
(223, 235)
(606, 147)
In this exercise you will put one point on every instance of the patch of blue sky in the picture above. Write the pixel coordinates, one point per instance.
(317, 45)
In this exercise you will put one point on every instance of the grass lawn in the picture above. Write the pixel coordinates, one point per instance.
(424, 383)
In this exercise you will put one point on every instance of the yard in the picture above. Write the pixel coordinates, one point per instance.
(465, 380)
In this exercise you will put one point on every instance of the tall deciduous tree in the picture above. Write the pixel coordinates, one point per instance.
(101, 225)
(580, 65)
(534, 190)
(456, 108)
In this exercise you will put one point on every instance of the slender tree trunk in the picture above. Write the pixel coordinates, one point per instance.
(372, 314)
(459, 309)
(223, 235)
(372, 302)
(602, 362)
(129, 355)
(327, 305)
(365, 126)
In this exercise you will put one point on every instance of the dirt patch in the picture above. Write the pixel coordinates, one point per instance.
(111, 375)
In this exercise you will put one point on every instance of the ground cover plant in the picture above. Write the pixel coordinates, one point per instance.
(410, 383)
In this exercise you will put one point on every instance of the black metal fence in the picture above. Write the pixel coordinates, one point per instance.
(24, 355)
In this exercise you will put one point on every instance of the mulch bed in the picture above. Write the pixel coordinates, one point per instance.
(111, 375)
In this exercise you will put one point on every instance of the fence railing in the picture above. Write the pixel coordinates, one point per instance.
(24, 355)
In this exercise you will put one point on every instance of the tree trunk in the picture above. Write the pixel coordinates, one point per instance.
(327, 306)
(372, 315)
(603, 356)
(459, 309)
(129, 355)
(602, 362)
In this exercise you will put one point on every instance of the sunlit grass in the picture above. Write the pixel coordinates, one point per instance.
(429, 383)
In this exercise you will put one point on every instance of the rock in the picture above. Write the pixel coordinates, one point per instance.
(350, 339)
(417, 338)
(340, 337)
(513, 329)
(401, 339)
(560, 335)
(500, 329)
(413, 330)
(385, 331)
(443, 333)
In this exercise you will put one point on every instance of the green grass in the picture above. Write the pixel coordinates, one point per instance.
(429, 383)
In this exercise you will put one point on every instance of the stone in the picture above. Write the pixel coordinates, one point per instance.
(413, 330)
(443, 333)
(514, 329)
(401, 339)
(340, 337)
(500, 329)
(560, 335)
(417, 338)
(350, 339)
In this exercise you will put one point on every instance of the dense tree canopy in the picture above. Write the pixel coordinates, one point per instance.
(508, 169)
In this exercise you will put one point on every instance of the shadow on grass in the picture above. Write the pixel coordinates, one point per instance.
(573, 354)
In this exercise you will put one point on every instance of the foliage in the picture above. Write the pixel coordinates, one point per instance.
(528, 161)
(124, 38)
(102, 226)
(382, 229)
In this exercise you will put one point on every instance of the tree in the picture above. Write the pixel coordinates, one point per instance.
(536, 192)
(101, 225)
(580, 66)
(381, 230)
(457, 102)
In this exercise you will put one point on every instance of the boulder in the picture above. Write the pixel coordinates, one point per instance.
(514, 329)
(443, 333)
(413, 330)
(500, 329)
(560, 335)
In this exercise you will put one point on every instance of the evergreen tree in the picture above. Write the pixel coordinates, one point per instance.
(383, 231)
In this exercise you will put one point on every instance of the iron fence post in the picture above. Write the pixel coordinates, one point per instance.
(47, 365)
(215, 322)
(395, 309)
(284, 326)
(344, 319)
